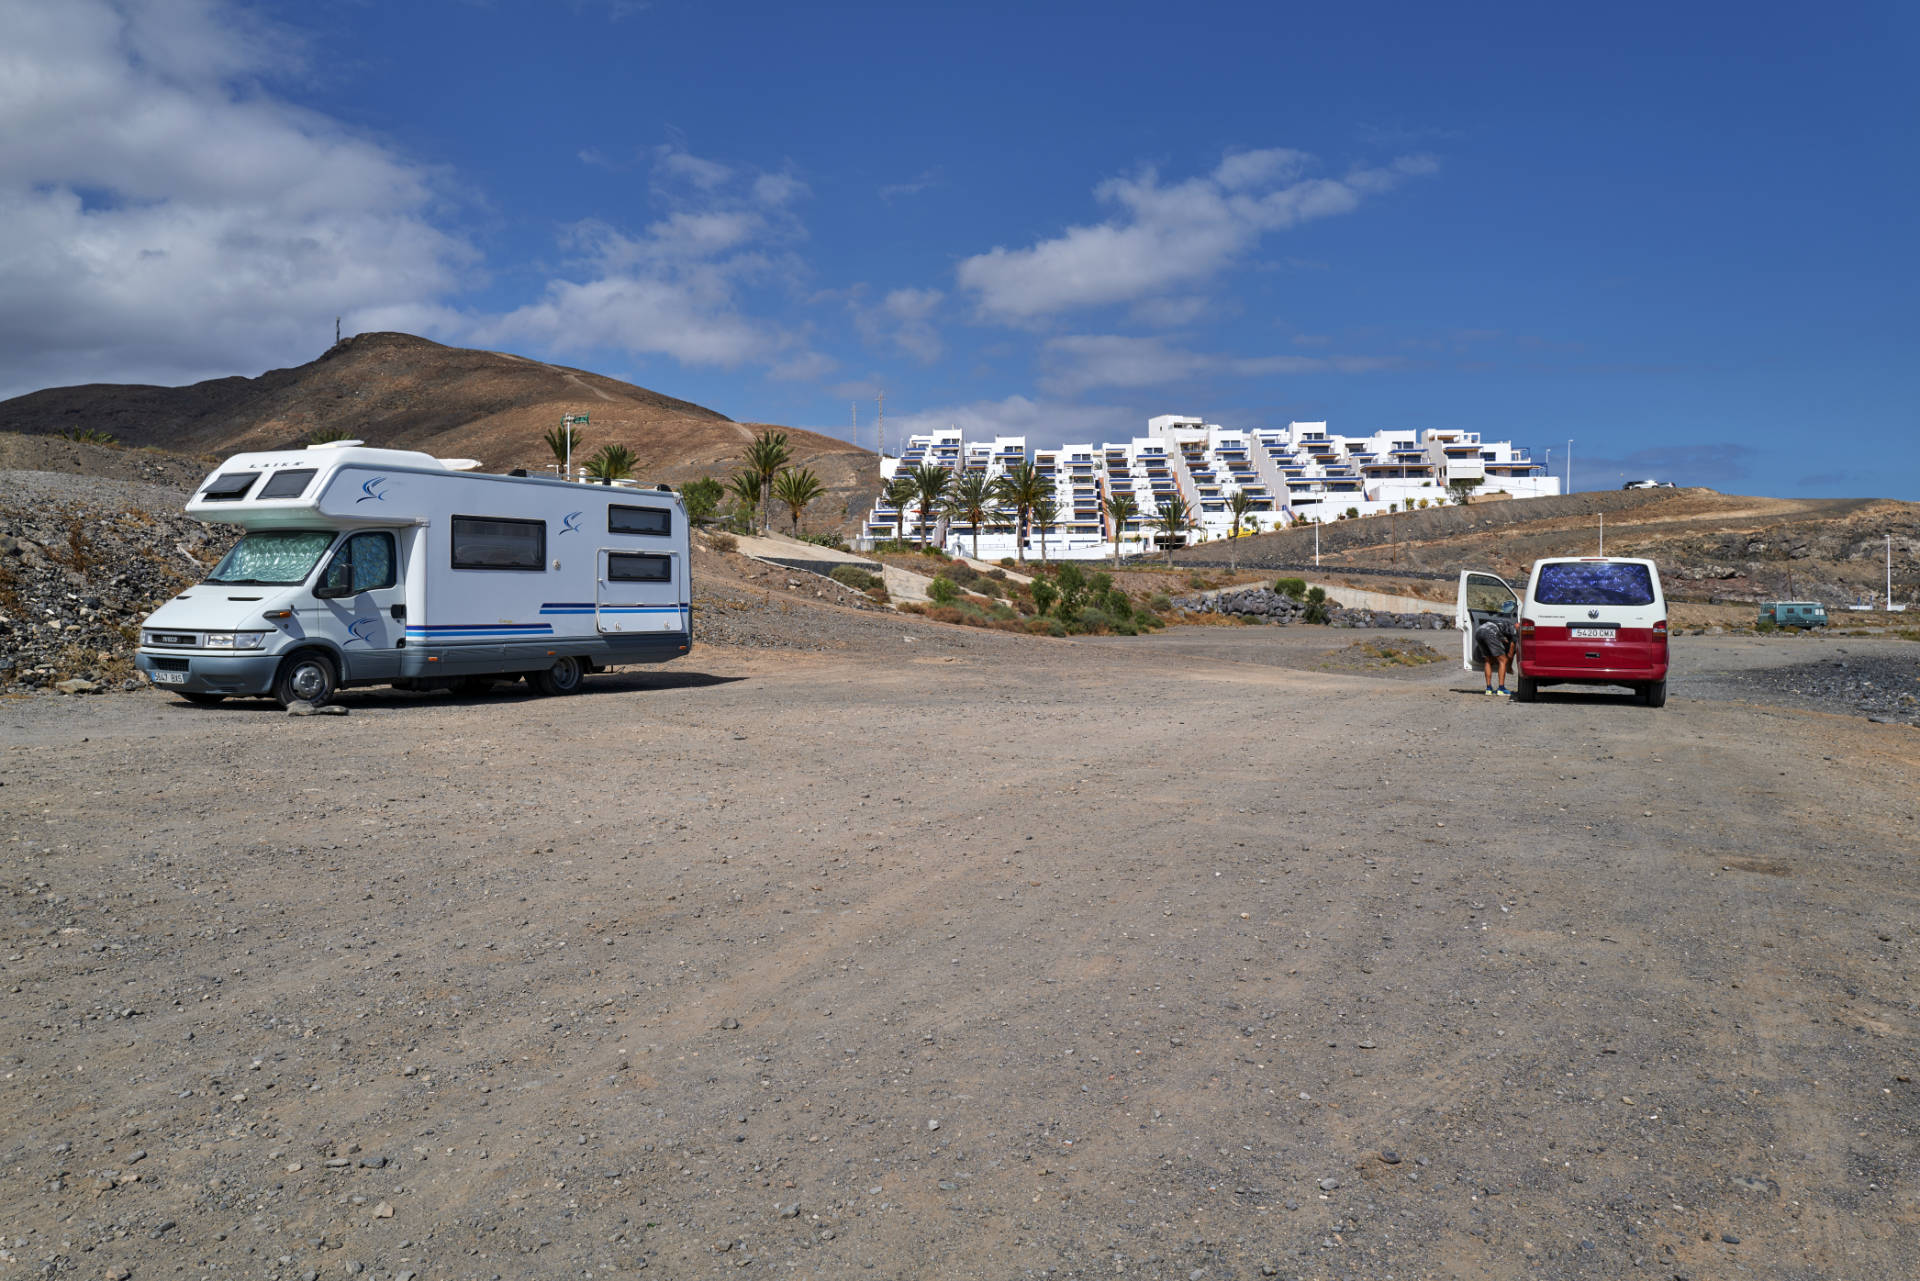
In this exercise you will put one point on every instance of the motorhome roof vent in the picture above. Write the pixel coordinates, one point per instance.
(518, 471)
(459, 464)
(337, 444)
(665, 489)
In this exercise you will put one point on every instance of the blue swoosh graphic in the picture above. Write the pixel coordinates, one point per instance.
(372, 493)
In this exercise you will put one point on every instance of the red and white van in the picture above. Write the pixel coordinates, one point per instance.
(1585, 620)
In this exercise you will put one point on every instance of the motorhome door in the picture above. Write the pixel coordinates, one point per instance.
(639, 591)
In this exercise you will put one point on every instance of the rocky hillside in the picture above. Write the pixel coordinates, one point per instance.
(82, 560)
(405, 392)
(1711, 546)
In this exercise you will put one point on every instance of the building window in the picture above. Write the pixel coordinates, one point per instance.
(639, 520)
(490, 542)
(639, 567)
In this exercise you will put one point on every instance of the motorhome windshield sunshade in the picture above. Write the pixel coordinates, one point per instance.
(229, 487)
(287, 484)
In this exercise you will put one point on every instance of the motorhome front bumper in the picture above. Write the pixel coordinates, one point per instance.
(201, 672)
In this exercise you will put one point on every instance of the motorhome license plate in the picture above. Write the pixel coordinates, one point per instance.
(168, 678)
(1593, 633)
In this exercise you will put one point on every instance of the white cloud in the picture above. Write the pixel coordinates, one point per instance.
(1042, 422)
(904, 320)
(166, 219)
(676, 288)
(1167, 238)
(1081, 362)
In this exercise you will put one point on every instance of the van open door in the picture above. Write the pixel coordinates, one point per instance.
(1482, 596)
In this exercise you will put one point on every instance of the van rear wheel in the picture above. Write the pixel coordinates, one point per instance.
(564, 677)
(1525, 689)
(306, 678)
(1654, 693)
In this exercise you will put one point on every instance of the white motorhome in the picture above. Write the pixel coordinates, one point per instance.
(382, 566)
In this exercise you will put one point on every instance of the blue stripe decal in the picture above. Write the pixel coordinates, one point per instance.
(480, 629)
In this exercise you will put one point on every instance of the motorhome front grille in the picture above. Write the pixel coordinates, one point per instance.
(170, 664)
(178, 639)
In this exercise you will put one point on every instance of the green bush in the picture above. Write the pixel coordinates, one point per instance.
(1045, 594)
(1159, 602)
(702, 498)
(855, 577)
(834, 541)
(1316, 612)
(942, 591)
(723, 542)
(1765, 625)
(1353, 513)
(1006, 562)
(1294, 587)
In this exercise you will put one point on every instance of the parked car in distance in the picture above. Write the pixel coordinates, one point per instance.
(1648, 484)
(1584, 620)
(1793, 613)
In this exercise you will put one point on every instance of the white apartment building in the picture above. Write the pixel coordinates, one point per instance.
(1300, 472)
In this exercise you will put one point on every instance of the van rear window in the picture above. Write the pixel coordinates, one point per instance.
(1594, 583)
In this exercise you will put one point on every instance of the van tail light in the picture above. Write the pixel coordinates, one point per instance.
(1526, 627)
(1660, 630)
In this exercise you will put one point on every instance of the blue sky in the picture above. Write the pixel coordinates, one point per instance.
(1679, 235)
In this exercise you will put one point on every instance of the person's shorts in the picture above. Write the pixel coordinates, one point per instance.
(1490, 641)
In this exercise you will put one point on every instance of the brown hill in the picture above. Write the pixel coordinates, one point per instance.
(403, 392)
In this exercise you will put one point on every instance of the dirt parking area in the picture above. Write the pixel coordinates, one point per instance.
(1177, 957)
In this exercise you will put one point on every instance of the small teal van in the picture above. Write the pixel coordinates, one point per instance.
(1793, 613)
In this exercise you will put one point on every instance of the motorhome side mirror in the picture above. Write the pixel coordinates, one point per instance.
(336, 582)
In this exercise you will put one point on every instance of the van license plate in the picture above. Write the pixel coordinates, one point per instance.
(168, 678)
(1593, 633)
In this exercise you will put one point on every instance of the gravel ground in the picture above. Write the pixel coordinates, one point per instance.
(1005, 958)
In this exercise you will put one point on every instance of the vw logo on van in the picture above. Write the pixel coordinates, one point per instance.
(1593, 613)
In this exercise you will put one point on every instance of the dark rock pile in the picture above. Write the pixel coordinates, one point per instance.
(1263, 605)
(82, 561)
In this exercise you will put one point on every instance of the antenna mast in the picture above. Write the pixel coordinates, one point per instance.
(882, 398)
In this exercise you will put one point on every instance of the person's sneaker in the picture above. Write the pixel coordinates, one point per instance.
(1488, 691)
(1502, 692)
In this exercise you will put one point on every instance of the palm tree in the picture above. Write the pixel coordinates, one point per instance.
(1045, 512)
(1240, 507)
(970, 499)
(611, 463)
(1174, 519)
(745, 488)
(900, 491)
(565, 442)
(764, 459)
(795, 487)
(1020, 488)
(929, 485)
(1121, 508)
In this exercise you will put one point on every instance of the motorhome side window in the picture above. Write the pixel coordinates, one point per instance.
(364, 563)
(638, 567)
(639, 520)
(492, 542)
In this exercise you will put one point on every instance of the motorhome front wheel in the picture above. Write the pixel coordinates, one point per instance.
(306, 678)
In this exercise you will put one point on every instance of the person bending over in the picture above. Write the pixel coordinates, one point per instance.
(1493, 643)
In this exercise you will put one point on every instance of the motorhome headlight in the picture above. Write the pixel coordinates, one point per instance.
(236, 640)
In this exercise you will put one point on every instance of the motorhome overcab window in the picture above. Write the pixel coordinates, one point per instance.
(286, 484)
(491, 542)
(638, 567)
(639, 520)
(230, 487)
(272, 558)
